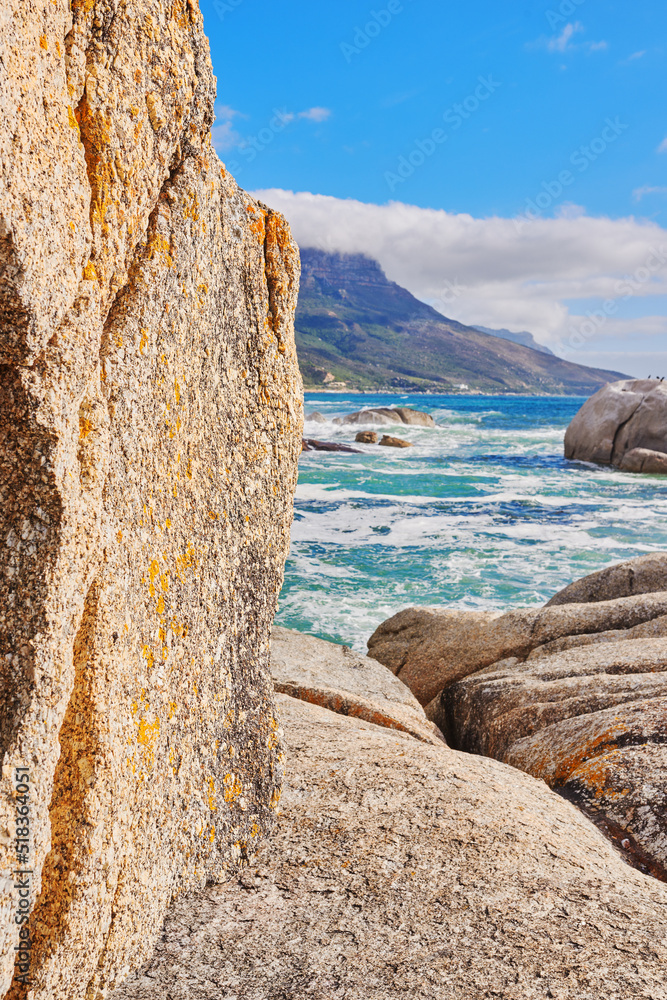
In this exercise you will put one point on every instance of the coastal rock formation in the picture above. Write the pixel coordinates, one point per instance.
(366, 437)
(151, 427)
(388, 441)
(336, 678)
(408, 871)
(590, 721)
(310, 444)
(429, 648)
(643, 575)
(624, 424)
(389, 415)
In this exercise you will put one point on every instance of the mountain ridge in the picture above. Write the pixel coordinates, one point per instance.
(358, 330)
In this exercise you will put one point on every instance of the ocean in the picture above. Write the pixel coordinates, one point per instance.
(483, 512)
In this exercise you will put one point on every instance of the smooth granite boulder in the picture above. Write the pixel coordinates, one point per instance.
(642, 575)
(401, 870)
(151, 424)
(623, 424)
(429, 649)
(341, 680)
(387, 415)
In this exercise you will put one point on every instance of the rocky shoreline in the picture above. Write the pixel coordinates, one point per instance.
(404, 867)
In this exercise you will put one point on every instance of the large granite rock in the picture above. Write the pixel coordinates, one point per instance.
(590, 721)
(429, 649)
(148, 446)
(337, 678)
(388, 415)
(643, 575)
(623, 424)
(400, 870)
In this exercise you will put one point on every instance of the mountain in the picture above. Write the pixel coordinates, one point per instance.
(356, 327)
(524, 338)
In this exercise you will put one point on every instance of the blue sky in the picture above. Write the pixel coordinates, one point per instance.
(481, 109)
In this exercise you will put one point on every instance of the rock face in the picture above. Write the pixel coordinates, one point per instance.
(408, 871)
(644, 575)
(623, 424)
(387, 415)
(151, 426)
(336, 678)
(429, 649)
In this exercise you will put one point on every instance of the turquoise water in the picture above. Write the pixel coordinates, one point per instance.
(483, 512)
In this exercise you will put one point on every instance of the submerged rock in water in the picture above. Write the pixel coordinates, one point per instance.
(151, 425)
(336, 678)
(310, 444)
(394, 442)
(409, 871)
(315, 418)
(624, 424)
(387, 415)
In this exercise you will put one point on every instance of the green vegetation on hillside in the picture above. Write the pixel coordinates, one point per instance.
(355, 327)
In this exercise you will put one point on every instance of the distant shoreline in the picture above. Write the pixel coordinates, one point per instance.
(425, 395)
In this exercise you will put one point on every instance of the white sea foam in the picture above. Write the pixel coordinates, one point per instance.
(493, 516)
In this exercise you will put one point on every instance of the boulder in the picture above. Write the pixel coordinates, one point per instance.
(642, 575)
(644, 460)
(393, 442)
(590, 721)
(424, 647)
(310, 444)
(367, 437)
(388, 415)
(315, 418)
(429, 649)
(151, 423)
(408, 871)
(619, 420)
(336, 678)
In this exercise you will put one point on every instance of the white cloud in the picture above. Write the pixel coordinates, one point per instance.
(641, 192)
(490, 272)
(564, 42)
(315, 114)
(662, 148)
(636, 55)
(225, 136)
(560, 43)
